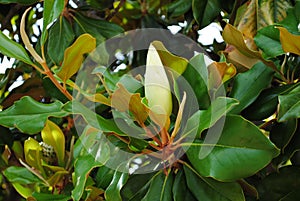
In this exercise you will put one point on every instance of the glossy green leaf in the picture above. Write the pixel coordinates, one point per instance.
(23, 190)
(99, 29)
(29, 116)
(267, 39)
(196, 74)
(180, 188)
(74, 56)
(47, 197)
(248, 85)
(292, 19)
(23, 2)
(91, 151)
(112, 192)
(61, 36)
(282, 133)
(289, 105)
(104, 176)
(20, 175)
(209, 189)
(160, 187)
(178, 8)
(266, 103)
(52, 135)
(218, 108)
(12, 49)
(52, 10)
(241, 151)
(283, 186)
(96, 121)
(205, 11)
(136, 186)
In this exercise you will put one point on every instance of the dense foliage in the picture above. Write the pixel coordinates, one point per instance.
(98, 117)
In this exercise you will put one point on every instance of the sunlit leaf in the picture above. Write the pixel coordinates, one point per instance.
(33, 154)
(29, 116)
(92, 151)
(20, 175)
(241, 151)
(289, 105)
(218, 108)
(248, 85)
(12, 49)
(53, 136)
(112, 192)
(74, 56)
(52, 10)
(220, 72)
(124, 101)
(289, 42)
(24, 191)
(170, 60)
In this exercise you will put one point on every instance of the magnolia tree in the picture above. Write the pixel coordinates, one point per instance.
(113, 105)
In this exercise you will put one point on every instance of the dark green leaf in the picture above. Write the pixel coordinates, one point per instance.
(94, 153)
(178, 8)
(180, 189)
(248, 85)
(60, 37)
(100, 29)
(112, 192)
(12, 49)
(20, 175)
(266, 103)
(281, 133)
(52, 10)
(292, 20)
(104, 176)
(90, 117)
(23, 2)
(282, 186)
(267, 39)
(205, 11)
(160, 188)
(289, 105)
(136, 186)
(29, 116)
(209, 189)
(218, 108)
(47, 197)
(196, 74)
(241, 151)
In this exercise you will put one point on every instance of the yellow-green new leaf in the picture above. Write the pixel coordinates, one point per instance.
(170, 60)
(32, 151)
(74, 56)
(52, 135)
(289, 42)
(157, 87)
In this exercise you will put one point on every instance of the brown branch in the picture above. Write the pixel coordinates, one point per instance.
(115, 11)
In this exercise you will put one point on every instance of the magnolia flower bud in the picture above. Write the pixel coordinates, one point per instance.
(157, 87)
